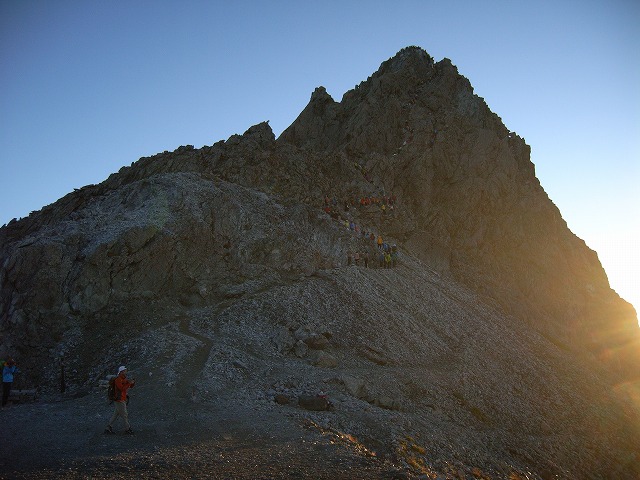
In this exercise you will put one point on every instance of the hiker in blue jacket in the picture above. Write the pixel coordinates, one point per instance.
(9, 370)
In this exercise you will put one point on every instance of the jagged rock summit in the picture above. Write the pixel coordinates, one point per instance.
(224, 272)
(472, 202)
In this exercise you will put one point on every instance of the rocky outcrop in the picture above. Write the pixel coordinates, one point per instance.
(176, 236)
(471, 202)
(237, 254)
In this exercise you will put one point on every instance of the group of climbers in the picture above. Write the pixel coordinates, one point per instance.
(357, 257)
(385, 254)
(385, 200)
(385, 258)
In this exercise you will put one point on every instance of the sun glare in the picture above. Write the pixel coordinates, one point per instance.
(620, 258)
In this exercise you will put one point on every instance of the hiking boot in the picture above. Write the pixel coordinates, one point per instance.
(128, 432)
(109, 430)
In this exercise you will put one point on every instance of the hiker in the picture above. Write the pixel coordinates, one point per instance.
(381, 259)
(380, 241)
(357, 258)
(122, 385)
(8, 371)
(394, 258)
(387, 260)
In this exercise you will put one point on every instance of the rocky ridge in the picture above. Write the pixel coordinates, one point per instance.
(216, 272)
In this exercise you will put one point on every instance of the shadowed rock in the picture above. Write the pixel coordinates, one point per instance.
(497, 332)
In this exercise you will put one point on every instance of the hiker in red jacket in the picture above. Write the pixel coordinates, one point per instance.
(122, 385)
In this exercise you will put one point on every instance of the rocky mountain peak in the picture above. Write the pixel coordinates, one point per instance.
(320, 95)
(408, 96)
(261, 134)
(408, 59)
(242, 255)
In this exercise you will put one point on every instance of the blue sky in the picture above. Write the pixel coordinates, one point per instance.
(90, 86)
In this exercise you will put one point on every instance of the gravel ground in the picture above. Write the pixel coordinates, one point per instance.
(64, 439)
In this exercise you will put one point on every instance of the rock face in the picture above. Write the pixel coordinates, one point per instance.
(233, 258)
(471, 201)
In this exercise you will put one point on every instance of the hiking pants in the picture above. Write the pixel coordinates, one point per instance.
(120, 411)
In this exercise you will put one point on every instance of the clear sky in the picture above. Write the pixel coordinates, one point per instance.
(87, 87)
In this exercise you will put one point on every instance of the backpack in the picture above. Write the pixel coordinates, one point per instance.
(113, 393)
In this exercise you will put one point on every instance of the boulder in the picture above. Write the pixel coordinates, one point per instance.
(355, 386)
(387, 402)
(301, 349)
(313, 403)
(317, 342)
(283, 340)
(324, 359)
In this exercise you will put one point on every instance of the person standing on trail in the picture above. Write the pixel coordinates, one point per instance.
(387, 259)
(122, 384)
(394, 257)
(9, 369)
